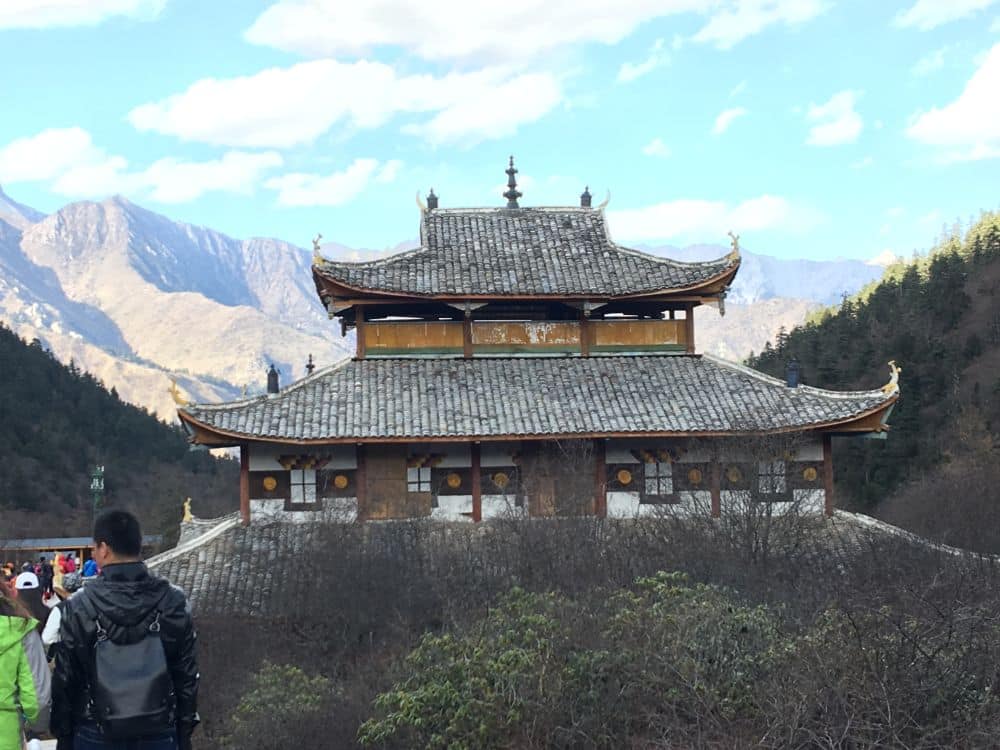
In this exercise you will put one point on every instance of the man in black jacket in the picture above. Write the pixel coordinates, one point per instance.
(122, 604)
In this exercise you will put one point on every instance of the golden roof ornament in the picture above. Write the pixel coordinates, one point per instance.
(604, 204)
(420, 204)
(188, 515)
(892, 387)
(175, 394)
(734, 254)
(317, 256)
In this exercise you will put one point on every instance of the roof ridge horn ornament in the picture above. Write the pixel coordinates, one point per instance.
(892, 387)
(420, 204)
(734, 254)
(175, 394)
(603, 204)
(317, 256)
(512, 193)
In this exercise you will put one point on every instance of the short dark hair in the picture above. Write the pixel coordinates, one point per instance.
(120, 530)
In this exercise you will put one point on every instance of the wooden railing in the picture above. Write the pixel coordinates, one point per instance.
(533, 338)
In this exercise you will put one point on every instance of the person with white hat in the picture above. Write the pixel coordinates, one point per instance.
(29, 594)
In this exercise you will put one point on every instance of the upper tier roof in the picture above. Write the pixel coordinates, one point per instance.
(438, 399)
(529, 252)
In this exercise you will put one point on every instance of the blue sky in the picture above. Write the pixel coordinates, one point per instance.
(813, 128)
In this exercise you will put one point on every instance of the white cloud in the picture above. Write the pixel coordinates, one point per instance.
(47, 154)
(738, 89)
(508, 32)
(704, 220)
(73, 166)
(740, 19)
(995, 28)
(929, 14)
(283, 107)
(494, 110)
(656, 147)
(835, 120)
(657, 57)
(970, 125)
(389, 171)
(300, 189)
(930, 63)
(40, 14)
(502, 32)
(725, 119)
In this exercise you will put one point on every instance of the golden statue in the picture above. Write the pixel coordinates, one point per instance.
(188, 515)
(892, 386)
(735, 252)
(317, 256)
(175, 394)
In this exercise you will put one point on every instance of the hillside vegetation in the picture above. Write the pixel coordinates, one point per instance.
(59, 422)
(939, 319)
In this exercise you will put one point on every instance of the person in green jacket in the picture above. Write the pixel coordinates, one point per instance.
(25, 684)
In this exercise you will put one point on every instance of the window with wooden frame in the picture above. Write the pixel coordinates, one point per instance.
(658, 479)
(771, 477)
(303, 487)
(418, 479)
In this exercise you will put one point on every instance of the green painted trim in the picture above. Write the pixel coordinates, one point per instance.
(414, 350)
(526, 348)
(639, 348)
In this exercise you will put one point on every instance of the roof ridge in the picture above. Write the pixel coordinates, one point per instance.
(765, 378)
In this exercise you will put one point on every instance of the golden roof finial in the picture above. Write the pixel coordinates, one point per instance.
(175, 394)
(735, 252)
(317, 257)
(188, 515)
(892, 387)
(420, 204)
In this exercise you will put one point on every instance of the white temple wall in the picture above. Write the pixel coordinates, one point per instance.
(264, 456)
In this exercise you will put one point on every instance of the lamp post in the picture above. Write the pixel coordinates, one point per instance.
(97, 487)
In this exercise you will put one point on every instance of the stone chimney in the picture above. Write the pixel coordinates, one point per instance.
(272, 380)
(585, 198)
(792, 374)
(432, 200)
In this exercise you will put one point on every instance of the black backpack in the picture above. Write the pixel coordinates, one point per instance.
(132, 693)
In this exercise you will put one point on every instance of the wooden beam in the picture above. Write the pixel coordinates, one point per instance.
(828, 474)
(715, 484)
(477, 482)
(361, 483)
(359, 324)
(467, 336)
(689, 327)
(584, 334)
(245, 483)
(600, 479)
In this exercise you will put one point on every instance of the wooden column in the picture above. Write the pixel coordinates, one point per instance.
(689, 328)
(477, 483)
(245, 484)
(715, 484)
(361, 481)
(359, 326)
(828, 474)
(600, 479)
(467, 336)
(584, 334)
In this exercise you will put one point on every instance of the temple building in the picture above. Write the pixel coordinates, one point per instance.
(520, 362)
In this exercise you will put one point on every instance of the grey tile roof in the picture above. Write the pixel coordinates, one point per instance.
(525, 251)
(454, 398)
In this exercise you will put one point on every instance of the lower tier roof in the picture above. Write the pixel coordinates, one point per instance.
(384, 400)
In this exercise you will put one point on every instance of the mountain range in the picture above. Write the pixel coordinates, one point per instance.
(137, 298)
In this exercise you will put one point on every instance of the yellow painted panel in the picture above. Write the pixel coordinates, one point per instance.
(523, 333)
(432, 334)
(638, 332)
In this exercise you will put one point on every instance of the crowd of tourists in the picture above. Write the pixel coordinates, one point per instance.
(100, 656)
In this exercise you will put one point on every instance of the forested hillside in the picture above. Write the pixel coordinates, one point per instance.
(939, 319)
(59, 422)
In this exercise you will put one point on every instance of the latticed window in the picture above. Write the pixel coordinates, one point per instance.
(418, 479)
(659, 478)
(303, 486)
(771, 477)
